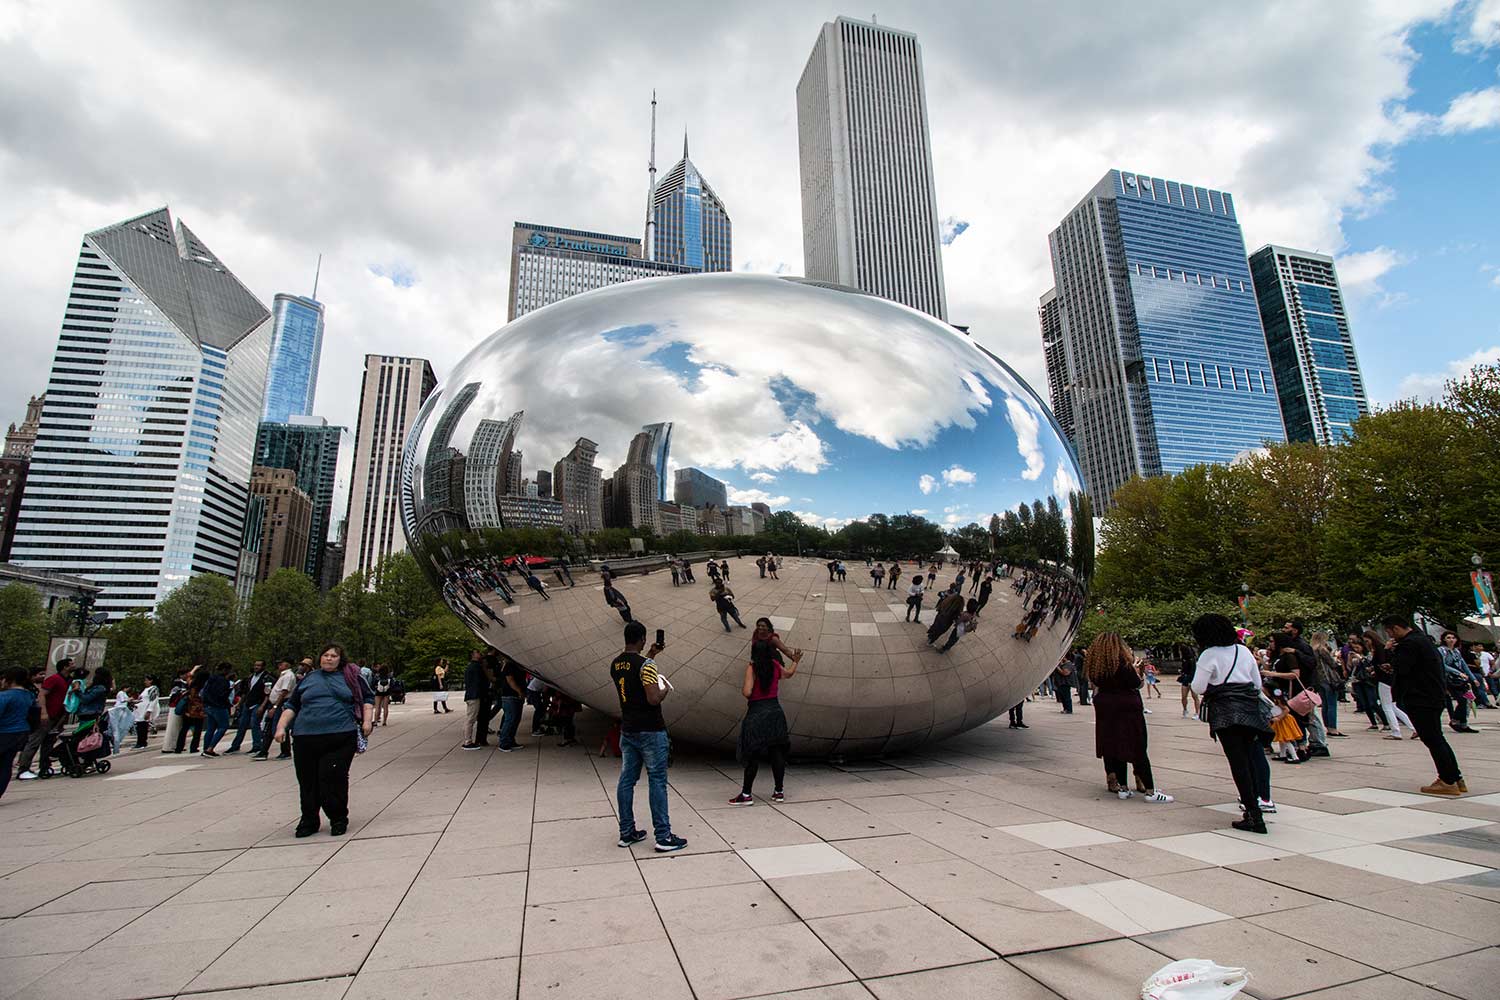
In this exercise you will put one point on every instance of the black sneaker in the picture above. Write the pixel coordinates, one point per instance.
(1319, 751)
(339, 828)
(634, 838)
(470, 746)
(259, 756)
(1250, 826)
(306, 831)
(672, 843)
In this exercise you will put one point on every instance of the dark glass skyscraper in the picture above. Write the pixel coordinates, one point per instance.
(1166, 361)
(296, 346)
(1307, 335)
(310, 448)
(692, 225)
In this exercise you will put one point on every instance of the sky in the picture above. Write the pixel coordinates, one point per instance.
(403, 141)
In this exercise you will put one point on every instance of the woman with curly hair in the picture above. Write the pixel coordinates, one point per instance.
(1119, 716)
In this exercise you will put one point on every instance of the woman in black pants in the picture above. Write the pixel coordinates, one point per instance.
(1228, 679)
(764, 730)
(326, 714)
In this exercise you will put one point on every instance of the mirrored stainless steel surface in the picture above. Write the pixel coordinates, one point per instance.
(795, 395)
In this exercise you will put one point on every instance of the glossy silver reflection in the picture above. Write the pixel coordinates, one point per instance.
(800, 396)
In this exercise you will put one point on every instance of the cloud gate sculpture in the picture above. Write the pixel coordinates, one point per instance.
(597, 438)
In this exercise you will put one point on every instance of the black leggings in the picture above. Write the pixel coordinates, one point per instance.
(194, 726)
(141, 729)
(1118, 767)
(1016, 713)
(322, 764)
(777, 756)
(1240, 745)
(1429, 726)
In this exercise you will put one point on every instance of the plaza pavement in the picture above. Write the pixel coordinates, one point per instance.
(991, 865)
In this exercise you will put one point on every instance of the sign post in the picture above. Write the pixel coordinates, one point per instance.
(86, 651)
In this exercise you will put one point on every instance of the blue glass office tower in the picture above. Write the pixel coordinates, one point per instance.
(1307, 336)
(296, 345)
(1167, 363)
(692, 226)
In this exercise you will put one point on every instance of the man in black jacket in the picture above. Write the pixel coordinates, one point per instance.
(476, 698)
(1417, 685)
(252, 692)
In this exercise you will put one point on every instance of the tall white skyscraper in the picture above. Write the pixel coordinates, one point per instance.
(869, 207)
(140, 477)
(394, 390)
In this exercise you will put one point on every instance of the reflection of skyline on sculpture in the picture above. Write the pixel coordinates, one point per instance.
(758, 398)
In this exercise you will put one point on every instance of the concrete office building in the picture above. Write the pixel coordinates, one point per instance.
(310, 448)
(488, 468)
(140, 476)
(549, 263)
(1318, 381)
(393, 392)
(14, 464)
(576, 483)
(1166, 362)
(296, 348)
(1055, 354)
(286, 528)
(696, 488)
(869, 204)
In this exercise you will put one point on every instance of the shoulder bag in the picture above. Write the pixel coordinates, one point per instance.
(1304, 702)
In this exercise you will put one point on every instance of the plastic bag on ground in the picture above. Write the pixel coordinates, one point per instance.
(1194, 979)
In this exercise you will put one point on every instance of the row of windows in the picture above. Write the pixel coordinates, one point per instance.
(1190, 277)
(1208, 375)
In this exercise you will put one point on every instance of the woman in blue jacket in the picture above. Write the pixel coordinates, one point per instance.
(327, 713)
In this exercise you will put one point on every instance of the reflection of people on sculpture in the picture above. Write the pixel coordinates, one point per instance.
(833, 567)
(895, 574)
(643, 739)
(984, 591)
(723, 599)
(724, 568)
(764, 729)
(771, 566)
(967, 621)
(687, 571)
(616, 600)
(676, 573)
(949, 606)
(914, 597)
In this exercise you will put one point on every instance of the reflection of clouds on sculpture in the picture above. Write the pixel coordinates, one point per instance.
(1023, 420)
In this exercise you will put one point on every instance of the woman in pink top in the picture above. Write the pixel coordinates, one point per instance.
(764, 731)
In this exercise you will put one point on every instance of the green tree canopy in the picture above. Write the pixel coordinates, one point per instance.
(283, 619)
(23, 627)
(199, 622)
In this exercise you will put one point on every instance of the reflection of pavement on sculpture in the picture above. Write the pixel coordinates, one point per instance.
(869, 683)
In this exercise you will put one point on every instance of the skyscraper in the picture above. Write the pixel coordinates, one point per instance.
(691, 224)
(1166, 362)
(548, 264)
(1055, 352)
(634, 488)
(14, 464)
(310, 448)
(576, 483)
(655, 445)
(486, 471)
(1312, 354)
(288, 516)
(696, 488)
(869, 205)
(140, 477)
(20, 440)
(394, 390)
(296, 346)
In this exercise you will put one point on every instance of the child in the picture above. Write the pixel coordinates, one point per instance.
(1151, 681)
(121, 722)
(1284, 728)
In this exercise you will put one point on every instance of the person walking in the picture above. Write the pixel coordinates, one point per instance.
(53, 690)
(724, 569)
(1417, 684)
(18, 707)
(894, 575)
(616, 600)
(1384, 676)
(763, 731)
(1185, 682)
(914, 597)
(276, 697)
(440, 687)
(383, 684)
(643, 739)
(252, 707)
(1363, 681)
(192, 712)
(1459, 684)
(1119, 717)
(215, 695)
(1228, 680)
(945, 614)
(327, 713)
(476, 693)
(1017, 715)
(984, 591)
(723, 601)
(966, 622)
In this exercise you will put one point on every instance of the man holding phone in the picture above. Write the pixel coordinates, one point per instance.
(643, 737)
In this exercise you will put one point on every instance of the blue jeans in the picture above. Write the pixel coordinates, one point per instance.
(249, 719)
(1330, 705)
(649, 749)
(215, 725)
(510, 720)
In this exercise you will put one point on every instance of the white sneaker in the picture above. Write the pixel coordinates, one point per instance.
(1267, 806)
(1124, 794)
(1159, 796)
(1186, 714)
(26, 776)
(1147, 711)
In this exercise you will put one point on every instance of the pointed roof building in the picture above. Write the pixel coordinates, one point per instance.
(688, 224)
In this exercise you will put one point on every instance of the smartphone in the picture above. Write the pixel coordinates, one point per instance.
(661, 638)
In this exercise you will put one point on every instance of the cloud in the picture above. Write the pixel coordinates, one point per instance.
(1026, 425)
(1484, 26)
(1361, 275)
(747, 497)
(1470, 112)
(957, 475)
(1063, 482)
(919, 511)
(926, 483)
(399, 275)
(951, 229)
(763, 477)
(1428, 386)
(819, 521)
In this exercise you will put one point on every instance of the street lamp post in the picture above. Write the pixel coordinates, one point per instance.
(1245, 603)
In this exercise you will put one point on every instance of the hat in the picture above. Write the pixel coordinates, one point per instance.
(306, 661)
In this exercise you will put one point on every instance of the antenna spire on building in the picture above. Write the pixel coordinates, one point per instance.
(317, 272)
(684, 142)
(651, 189)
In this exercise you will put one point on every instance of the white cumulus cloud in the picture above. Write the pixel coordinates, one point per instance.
(763, 477)
(1063, 482)
(1472, 111)
(1427, 386)
(919, 511)
(957, 475)
(926, 483)
(747, 497)
(1026, 425)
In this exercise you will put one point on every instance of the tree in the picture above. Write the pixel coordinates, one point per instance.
(283, 618)
(199, 621)
(135, 649)
(23, 627)
(436, 634)
(354, 618)
(1281, 523)
(1081, 544)
(1134, 533)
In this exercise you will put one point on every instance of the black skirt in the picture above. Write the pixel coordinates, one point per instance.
(764, 728)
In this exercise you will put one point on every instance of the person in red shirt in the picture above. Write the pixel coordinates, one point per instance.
(764, 729)
(45, 733)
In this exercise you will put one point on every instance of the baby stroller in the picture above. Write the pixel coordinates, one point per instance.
(86, 748)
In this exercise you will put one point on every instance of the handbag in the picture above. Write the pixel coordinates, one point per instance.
(93, 741)
(1304, 702)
